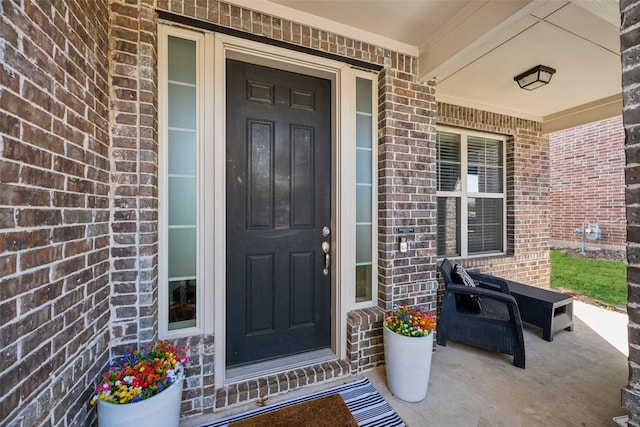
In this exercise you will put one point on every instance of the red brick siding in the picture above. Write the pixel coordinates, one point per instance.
(587, 182)
(54, 209)
(630, 54)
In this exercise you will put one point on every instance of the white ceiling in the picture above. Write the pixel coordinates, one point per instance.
(474, 48)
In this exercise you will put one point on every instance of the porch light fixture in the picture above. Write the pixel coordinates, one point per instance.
(534, 78)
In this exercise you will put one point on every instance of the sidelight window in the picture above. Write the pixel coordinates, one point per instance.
(179, 182)
(365, 194)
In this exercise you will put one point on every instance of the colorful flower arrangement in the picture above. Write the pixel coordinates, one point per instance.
(142, 373)
(410, 322)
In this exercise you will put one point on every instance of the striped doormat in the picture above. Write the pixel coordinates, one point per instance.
(366, 405)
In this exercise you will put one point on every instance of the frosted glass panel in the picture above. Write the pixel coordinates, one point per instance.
(182, 153)
(182, 106)
(181, 182)
(182, 60)
(364, 197)
(363, 95)
(363, 167)
(182, 201)
(363, 203)
(363, 131)
(182, 252)
(363, 243)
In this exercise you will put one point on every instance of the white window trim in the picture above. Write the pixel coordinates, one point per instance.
(213, 50)
(341, 76)
(204, 320)
(465, 195)
(350, 170)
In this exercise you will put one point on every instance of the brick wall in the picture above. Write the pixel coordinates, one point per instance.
(587, 183)
(135, 175)
(527, 161)
(406, 188)
(630, 54)
(406, 198)
(54, 209)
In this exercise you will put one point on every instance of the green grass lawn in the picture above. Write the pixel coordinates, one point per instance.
(603, 280)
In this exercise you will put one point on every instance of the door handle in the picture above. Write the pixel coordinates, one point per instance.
(327, 258)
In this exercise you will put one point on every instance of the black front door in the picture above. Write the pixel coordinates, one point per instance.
(278, 170)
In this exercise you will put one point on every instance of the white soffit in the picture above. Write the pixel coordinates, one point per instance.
(582, 48)
(474, 48)
(475, 31)
(577, 20)
(409, 21)
(304, 14)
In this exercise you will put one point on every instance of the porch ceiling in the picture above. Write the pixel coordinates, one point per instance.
(474, 48)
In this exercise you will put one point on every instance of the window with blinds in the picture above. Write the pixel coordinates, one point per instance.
(470, 193)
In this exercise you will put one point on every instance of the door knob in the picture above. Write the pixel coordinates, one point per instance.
(326, 247)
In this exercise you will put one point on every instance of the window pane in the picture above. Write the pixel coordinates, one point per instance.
(182, 252)
(473, 180)
(182, 303)
(448, 164)
(364, 190)
(363, 243)
(448, 236)
(492, 180)
(182, 182)
(363, 167)
(363, 131)
(485, 164)
(182, 106)
(182, 201)
(182, 60)
(182, 153)
(485, 225)
(364, 280)
(363, 95)
(363, 203)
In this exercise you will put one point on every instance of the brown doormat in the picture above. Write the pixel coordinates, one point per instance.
(325, 411)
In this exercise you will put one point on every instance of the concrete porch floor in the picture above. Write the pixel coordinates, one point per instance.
(573, 381)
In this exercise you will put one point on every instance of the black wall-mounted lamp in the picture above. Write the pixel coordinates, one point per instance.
(534, 78)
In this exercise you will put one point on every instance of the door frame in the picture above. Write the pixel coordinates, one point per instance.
(341, 76)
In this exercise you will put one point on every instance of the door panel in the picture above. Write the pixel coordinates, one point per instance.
(302, 188)
(259, 293)
(302, 309)
(260, 174)
(278, 199)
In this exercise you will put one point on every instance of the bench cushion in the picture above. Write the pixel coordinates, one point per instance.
(470, 302)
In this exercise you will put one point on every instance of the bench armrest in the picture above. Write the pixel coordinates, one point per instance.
(482, 292)
(493, 282)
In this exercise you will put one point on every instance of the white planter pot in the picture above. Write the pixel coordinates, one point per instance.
(407, 363)
(161, 410)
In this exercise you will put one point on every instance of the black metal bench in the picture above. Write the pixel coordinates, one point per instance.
(550, 310)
